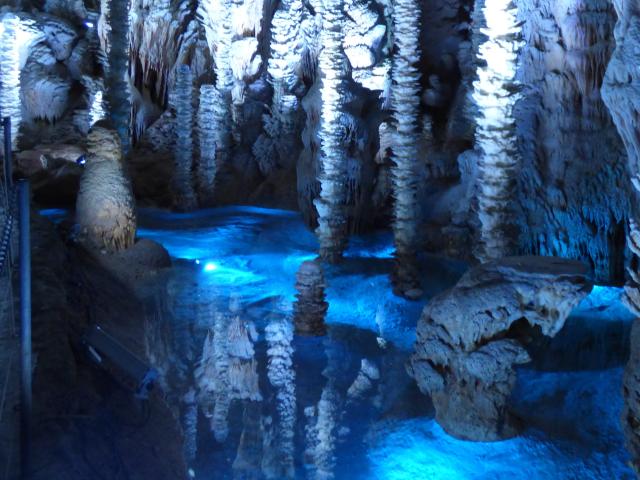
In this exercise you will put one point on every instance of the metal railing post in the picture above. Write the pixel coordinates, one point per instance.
(8, 166)
(25, 330)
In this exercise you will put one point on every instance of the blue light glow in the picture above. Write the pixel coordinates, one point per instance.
(210, 267)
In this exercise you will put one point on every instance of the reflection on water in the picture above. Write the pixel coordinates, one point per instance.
(255, 400)
(258, 401)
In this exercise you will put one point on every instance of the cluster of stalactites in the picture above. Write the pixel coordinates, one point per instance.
(406, 111)
(331, 204)
(495, 96)
(274, 146)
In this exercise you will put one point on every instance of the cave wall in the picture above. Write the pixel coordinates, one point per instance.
(573, 189)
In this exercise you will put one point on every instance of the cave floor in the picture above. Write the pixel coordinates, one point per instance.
(569, 398)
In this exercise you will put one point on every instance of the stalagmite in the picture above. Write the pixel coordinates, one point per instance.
(331, 205)
(105, 207)
(405, 172)
(185, 197)
(495, 96)
(207, 128)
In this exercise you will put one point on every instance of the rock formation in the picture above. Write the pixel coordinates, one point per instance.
(621, 93)
(310, 307)
(406, 104)
(468, 338)
(185, 196)
(495, 97)
(279, 336)
(573, 186)
(331, 205)
(207, 166)
(114, 21)
(105, 207)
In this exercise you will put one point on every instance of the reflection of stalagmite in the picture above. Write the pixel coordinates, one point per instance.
(364, 382)
(310, 307)
(212, 378)
(279, 335)
(247, 462)
(190, 426)
(321, 435)
(243, 374)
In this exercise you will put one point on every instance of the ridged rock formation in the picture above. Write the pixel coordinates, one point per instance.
(184, 194)
(310, 307)
(207, 167)
(105, 207)
(331, 205)
(275, 147)
(405, 178)
(16, 36)
(574, 190)
(279, 336)
(495, 97)
(467, 338)
(115, 16)
(621, 93)
(216, 20)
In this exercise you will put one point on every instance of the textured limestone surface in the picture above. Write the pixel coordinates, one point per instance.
(470, 337)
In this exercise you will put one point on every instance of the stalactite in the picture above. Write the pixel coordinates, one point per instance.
(308, 166)
(276, 145)
(185, 197)
(331, 205)
(405, 106)
(118, 94)
(207, 128)
(495, 96)
(216, 19)
(16, 35)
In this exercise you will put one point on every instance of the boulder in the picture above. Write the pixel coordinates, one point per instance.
(470, 337)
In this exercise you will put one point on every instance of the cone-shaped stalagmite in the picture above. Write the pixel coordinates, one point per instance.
(105, 208)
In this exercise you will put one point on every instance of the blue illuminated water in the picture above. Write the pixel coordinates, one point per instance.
(570, 402)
